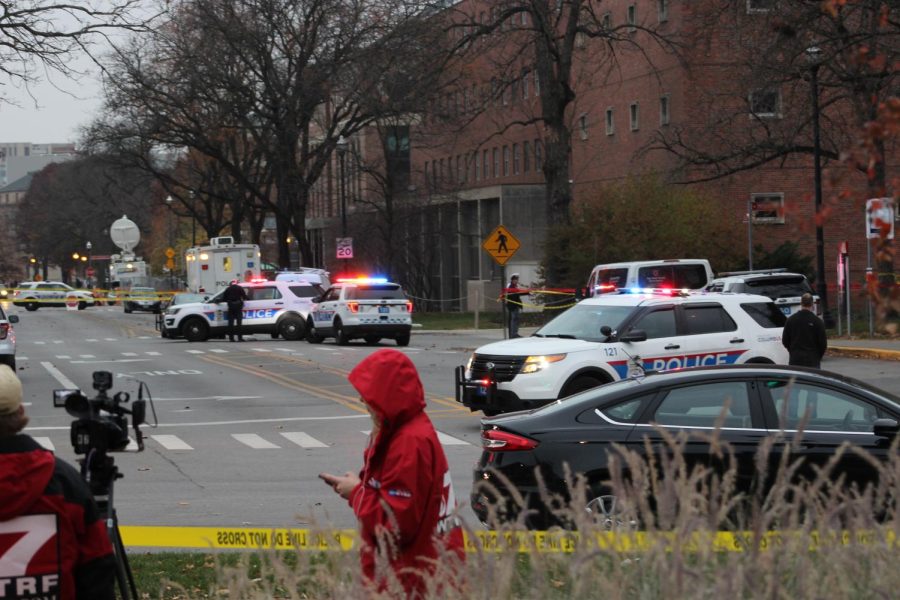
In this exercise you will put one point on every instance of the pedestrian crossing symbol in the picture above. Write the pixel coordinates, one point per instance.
(501, 245)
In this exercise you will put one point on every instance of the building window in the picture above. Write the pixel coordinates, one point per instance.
(538, 158)
(526, 157)
(765, 103)
(477, 166)
(486, 164)
(496, 162)
(759, 6)
(633, 116)
(460, 172)
(537, 83)
(517, 159)
(583, 127)
(767, 208)
(610, 122)
(664, 109)
(505, 161)
(631, 17)
(526, 76)
(662, 10)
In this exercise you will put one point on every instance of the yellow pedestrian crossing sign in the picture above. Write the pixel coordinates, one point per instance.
(501, 245)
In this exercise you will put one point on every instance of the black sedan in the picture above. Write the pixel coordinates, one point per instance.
(744, 405)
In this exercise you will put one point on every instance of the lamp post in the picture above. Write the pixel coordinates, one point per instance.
(813, 55)
(90, 273)
(342, 152)
(169, 202)
(193, 219)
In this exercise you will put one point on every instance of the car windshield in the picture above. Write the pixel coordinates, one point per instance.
(186, 298)
(384, 291)
(584, 321)
(779, 287)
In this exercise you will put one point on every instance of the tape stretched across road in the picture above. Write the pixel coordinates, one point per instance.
(555, 542)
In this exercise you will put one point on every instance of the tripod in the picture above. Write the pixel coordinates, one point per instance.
(100, 472)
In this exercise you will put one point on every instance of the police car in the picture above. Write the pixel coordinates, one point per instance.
(279, 308)
(785, 289)
(613, 336)
(371, 308)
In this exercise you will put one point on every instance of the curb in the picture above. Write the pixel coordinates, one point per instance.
(853, 352)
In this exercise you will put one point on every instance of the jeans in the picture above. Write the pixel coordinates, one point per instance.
(514, 323)
(235, 317)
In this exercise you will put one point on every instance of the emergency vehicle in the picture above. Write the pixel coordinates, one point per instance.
(371, 308)
(278, 308)
(613, 336)
(211, 268)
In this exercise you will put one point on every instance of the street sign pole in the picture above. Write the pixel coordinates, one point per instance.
(503, 295)
(501, 244)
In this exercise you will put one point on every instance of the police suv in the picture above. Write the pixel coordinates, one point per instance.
(612, 336)
(279, 308)
(368, 307)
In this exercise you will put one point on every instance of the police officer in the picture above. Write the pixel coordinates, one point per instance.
(804, 336)
(234, 296)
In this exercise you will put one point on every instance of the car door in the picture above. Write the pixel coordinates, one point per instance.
(323, 313)
(812, 421)
(709, 335)
(662, 348)
(51, 294)
(261, 309)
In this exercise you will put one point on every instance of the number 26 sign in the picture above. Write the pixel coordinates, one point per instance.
(345, 247)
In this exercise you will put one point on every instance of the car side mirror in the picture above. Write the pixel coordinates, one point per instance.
(13, 318)
(635, 335)
(206, 298)
(886, 428)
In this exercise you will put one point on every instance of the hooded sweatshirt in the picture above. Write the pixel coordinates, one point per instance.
(405, 501)
(53, 543)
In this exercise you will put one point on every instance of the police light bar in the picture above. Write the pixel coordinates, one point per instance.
(259, 280)
(362, 279)
(659, 291)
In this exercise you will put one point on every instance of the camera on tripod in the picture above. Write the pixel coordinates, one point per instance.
(101, 422)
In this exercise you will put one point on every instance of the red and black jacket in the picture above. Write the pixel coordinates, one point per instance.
(53, 542)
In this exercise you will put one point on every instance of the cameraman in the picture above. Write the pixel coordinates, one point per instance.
(44, 500)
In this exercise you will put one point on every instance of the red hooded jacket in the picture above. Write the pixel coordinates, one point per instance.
(53, 543)
(405, 501)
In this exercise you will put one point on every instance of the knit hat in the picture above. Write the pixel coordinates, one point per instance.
(10, 391)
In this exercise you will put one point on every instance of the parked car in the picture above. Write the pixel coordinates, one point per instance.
(784, 288)
(36, 294)
(175, 303)
(676, 273)
(8, 339)
(754, 402)
(142, 298)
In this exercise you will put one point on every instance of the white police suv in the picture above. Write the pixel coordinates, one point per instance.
(371, 308)
(612, 336)
(279, 308)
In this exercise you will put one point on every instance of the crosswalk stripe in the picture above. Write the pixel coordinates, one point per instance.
(260, 349)
(303, 440)
(254, 441)
(219, 351)
(46, 443)
(154, 354)
(63, 356)
(171, 442)
(195, 351)
(91, 340)
(109, 339)
(86, 356)
(443, 438)
(129, 354)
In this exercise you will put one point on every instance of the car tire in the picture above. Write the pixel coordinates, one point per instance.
(31, 306)
(311, 336)
(371, 340)
(580, 384)
(291, 329)
(10, 361)
(403, 339)
(759, 361)
(274, 335)
(127, 308)
(195, 330)
(82, 305)
(163, 332)
(340, 335)
(490, 412)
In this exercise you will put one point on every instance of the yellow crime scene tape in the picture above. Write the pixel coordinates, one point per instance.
(524, 542)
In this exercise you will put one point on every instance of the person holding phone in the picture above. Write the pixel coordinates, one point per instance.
(403, 496)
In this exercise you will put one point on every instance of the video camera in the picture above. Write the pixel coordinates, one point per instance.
(101, 423)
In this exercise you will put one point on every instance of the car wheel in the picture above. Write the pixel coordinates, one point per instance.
(31, 306)
(291, 329)
(274, 335)
(163, 332)
(82, 305)
(340, 335)
(9, 360)
(403, 339)
(128, 308)
(311, 336)
(759, 361)
(372, 339)
(580, 384)
(606, 511)
(196, 330)
(490, 412)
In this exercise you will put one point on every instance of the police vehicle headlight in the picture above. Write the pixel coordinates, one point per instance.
(533, 364)
(172, 311)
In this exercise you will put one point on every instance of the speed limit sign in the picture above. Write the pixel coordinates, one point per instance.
(345, 247)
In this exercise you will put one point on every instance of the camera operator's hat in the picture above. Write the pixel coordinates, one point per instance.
(10, 391)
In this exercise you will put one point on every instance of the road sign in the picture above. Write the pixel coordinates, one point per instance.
(345, 247)
(170, 264)
(170, 252)
(89, 272)
(879, 215)
(501, 245)
(71, 302)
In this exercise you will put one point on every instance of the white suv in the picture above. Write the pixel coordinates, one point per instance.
(370, 308)
(8, 339)
(35, 294)
(613, 336)
(783, 288)
(279, 308)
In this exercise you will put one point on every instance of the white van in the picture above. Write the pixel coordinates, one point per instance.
(676, 273)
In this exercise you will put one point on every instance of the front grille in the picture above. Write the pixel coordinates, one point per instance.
(505, 367)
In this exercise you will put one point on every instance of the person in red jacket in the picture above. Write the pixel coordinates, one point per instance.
(53, 542)
(403, 497)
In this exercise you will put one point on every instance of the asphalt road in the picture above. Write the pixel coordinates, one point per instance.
(244, 428)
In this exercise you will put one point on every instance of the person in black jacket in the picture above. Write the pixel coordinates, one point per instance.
(804, 336)
(513, 298)
(68, 555)
(235, 295)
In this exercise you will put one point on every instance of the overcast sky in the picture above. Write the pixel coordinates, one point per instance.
(60, 111)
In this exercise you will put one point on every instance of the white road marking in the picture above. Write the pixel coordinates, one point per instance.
(207, 398)
(129, 354)
(216, 423)
(86, 356)
(219, 351)
(91, 340)
(260, 349)
(171, 442)
(254, 441)
(303, 440)
(58, 376)
(103, 362)
(40, 343)
(21, 358)
(45, 442)
(63, 356)
(443, 438)
(59, 341)
(154, 353)
(195, 351)
(109, 339)
(145, 337)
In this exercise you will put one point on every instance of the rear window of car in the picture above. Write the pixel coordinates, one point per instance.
(614, 277)
(766, 314)
(382, 291)
(779, 287)
(306, 291)
(692, 277)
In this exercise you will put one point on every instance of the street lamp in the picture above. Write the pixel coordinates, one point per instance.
(814, 57)
(341, 147)
(88, 246)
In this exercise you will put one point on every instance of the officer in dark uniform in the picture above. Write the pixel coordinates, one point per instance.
(804, 336)
(234, 296)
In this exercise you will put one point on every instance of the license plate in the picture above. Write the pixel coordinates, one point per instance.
(786, 310)
(481, 391)
(384, 309)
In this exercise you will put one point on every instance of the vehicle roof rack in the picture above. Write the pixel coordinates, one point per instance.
(756, 272)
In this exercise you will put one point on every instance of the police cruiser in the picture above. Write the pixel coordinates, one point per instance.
(371, 308)
(279, 308)
(612, 336)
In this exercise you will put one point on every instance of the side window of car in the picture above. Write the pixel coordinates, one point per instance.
(658, 323)
(264, 293)
(707, 319)
(625, 412)
(766, 314)
(819, 408)
(702, 405)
